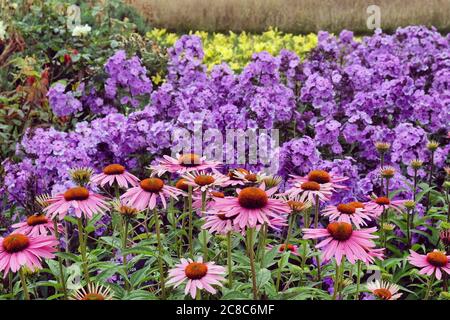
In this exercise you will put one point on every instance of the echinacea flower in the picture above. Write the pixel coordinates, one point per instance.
(93, 292)
(346, 212)
(146, 194)
(36, 225)
(199, 275)
(19, 250)
(341, 240)
(377, 205)
(321, 177)
(182, 164)
(310, 190)
(384, 290)
(211, 195)
(218, 222)
(83, 201)
(292, 248)
(202, 181)
(115, 173)
(252, 206)
(236, 177)
(433, 262)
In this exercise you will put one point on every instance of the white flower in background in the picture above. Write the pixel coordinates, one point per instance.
(2, 30)
(81, 31)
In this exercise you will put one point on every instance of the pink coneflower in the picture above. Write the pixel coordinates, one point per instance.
(282, 248)
(236, 177)
(202, 181)
(341, 240)
(384, 290)
(115, 173)
(252, 206)
(80, 199)
(218, 222)
(147, 193)
(310, 190)
(36, 225)
(346, 212)
(17, 250)
(199, 275)
(211, 195)
(321, 177)
(434, 262)
(93, 292)
(182, 164)
(377, 205)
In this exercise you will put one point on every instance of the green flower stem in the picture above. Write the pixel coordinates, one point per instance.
(62, 278)
(204, 233)
(229, 260)
(82, 241)
(124, 248)
(429, 286)
(316, 224)
(24, 284)
(358, 279)
(252, 262)
(262, 244)
(430, 180)
(191, 246)
(160, 254)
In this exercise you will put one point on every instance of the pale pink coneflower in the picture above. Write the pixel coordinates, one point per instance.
(115, 173)
(377, 205)
(321, 177)
(146, 194)
(434, 262)
(309, 191)
(346, 212)
(182, 164)
(384, 290)
(80, 199)
(36, 225)
(211, 195)
(93, 292)
(342, 241)
(218, 222)
(203, 181)
(199, 275)
(253, 206)
(236, 177)
(19, 250)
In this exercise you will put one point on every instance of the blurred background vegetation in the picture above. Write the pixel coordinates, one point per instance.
(295, 16)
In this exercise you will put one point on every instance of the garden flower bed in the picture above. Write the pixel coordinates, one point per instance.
(353, 204)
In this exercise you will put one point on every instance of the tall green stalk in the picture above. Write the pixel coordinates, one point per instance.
(24, 284)
(251, 253)
(160, 254)
(316, 224)
(204, 233)
(191, 246)
(229, 261)
(82, 241)
(62, 278)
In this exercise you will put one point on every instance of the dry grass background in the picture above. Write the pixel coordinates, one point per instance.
(297, 16)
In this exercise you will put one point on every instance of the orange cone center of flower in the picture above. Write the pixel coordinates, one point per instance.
(346, 208)
(196, 270)
(77, 193)
(114, 169)
(181, 184)
(382, 201)
(310, 185)
(127, 211)
(357, 204)
(340, 231)
(232, 176)
(253, 198)
(382, 293)
(437, 259)
(319, 176)
(15, 243)
(152, 184)
(251, 177)
(189, 160)
(204, 180)
(296, 205)
(35, 220)
(93, 296)
(218, 194)
(290, 247)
